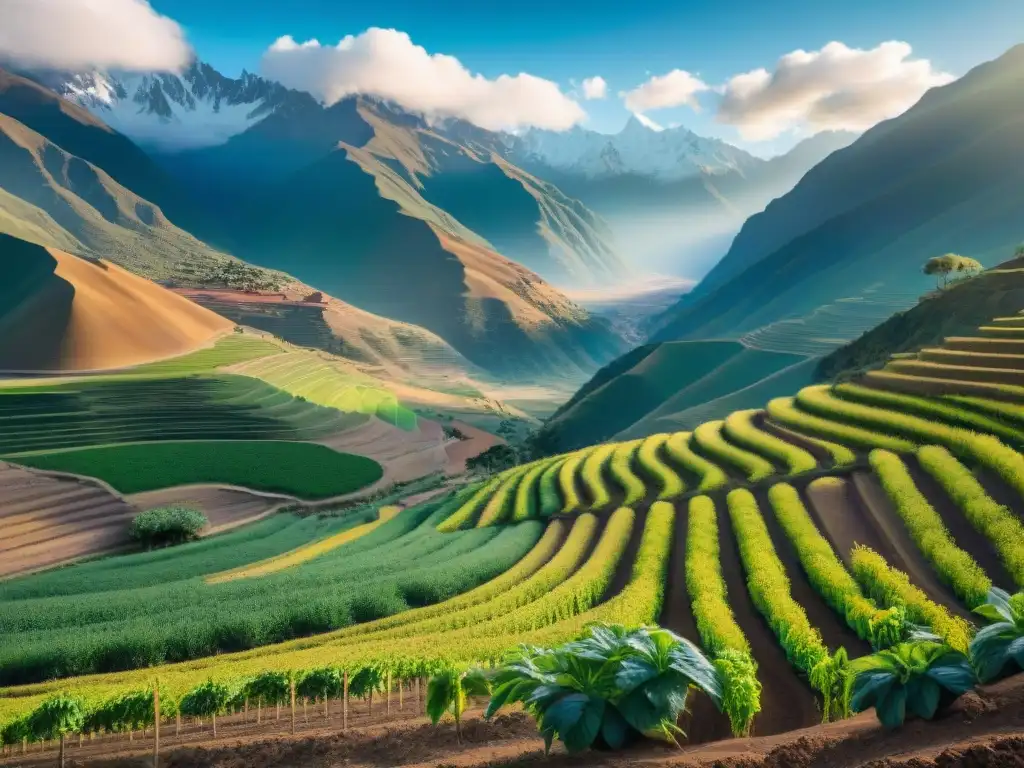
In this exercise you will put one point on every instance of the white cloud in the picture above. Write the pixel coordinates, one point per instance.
(673, 89)
(74, 34)
(836, 88)
(595, 88)
(386, 63)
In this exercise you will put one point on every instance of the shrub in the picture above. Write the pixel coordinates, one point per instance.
(921, 677)
(954, 566)
(165, 526)
(998, 649)
(608, 688)
(449, 691)
(208, 699)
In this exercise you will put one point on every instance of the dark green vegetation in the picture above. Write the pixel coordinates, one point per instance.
(608, 688)
(306, 470)
(646, 396)
(869, 215)
(165, 526)
(125, 409)
(957, 311)
(163, 611)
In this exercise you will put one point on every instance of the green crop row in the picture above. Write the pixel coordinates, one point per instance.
(711, 475)
(841, 455)
(999, 524)
(525, 505)
(999, 409)
(739, 427)
(954, 566)
(228, 350)
(826, 572)
(499, 605)
(499, 505)
(892, 588)
(567, 479)
(550, 500)
(984, 449)
(670, 483)
(785, 411)
(929, 408)
(622, 471)
(769, 586)
(592, 473)
(471, 501)
(719, 632)
(708, 437)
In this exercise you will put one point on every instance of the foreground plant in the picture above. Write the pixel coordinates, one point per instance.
(55, 718)
(449, 692)
(607, 689)
(921, 676)
(998, 649)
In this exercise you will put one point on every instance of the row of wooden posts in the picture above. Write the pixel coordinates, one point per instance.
(416, 686)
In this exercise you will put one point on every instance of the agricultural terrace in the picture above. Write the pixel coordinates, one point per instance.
(782, 541)
(312, 377)
(306, 470)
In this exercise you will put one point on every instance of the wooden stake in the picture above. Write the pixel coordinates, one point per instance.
(293, 705)
(401, 694)
(156, 727)
(388, 709)
(215, 725)
(61, 751)
(344, 711)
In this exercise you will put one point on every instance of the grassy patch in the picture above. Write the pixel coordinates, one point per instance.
(305, 470)
(228, 350)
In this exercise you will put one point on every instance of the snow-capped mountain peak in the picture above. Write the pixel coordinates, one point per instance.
(667, 154)
(198, 107)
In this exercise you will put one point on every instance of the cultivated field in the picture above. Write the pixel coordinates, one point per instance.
(779, 540)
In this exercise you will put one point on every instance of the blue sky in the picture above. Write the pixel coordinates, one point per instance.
(625, 42)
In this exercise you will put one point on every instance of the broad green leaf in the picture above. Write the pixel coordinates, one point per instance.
(953, 673)
(614, 728)
(870, 688)
(923, 697)
(891, 710)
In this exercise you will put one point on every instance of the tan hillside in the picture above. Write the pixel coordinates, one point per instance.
(66, 313)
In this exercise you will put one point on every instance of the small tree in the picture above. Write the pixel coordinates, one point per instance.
(207, 700)
(495, 459)
(366, 682)
(325, 683)
(56, 718)
(166, 526)
(269, 688)
(943, 266)
(449, 691)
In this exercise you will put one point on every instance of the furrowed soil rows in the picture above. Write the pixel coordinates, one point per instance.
(964, 534)
(908, 558)
(834, 630)
(624, 569)
(787, 702)
(842, 516)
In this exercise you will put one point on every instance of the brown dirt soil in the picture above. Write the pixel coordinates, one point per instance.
(841, 517)
(978, 359)
(834, 630)
(930, 387)
(981, 730)
(966, 536)
(50, 520)
(822, 456)
(624, 569)
(458, 451)
(958, 372)
(907, 557)
(225, 508)
(119, 319)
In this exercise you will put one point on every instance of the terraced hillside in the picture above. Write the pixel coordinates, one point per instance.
(773, 538)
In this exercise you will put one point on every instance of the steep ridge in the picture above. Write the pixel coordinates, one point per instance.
(932, 180)
(385, 248)
(62, 312)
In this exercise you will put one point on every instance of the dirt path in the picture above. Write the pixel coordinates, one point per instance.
(842, 518)
(903, 554)
(965, 535)
(787, 702)
(997, 488)
(703, 722)
(834, 630)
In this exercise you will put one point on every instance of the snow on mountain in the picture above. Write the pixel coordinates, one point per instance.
(667, 155)
(173, 112)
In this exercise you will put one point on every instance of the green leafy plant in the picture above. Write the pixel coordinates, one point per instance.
(322, 684)
(606, 689)
(166, 526)
(269, 689)
(366, 682)
(449, 692)
(998, 649)
(55, 718)
(208, 699)
(920, 676)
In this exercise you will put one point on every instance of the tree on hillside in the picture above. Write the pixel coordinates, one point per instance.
(495, 459)
(943, 266)
(166, 526)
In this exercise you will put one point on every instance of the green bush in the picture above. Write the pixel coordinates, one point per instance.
(165, 526)
(998, 649)
(955, 567)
